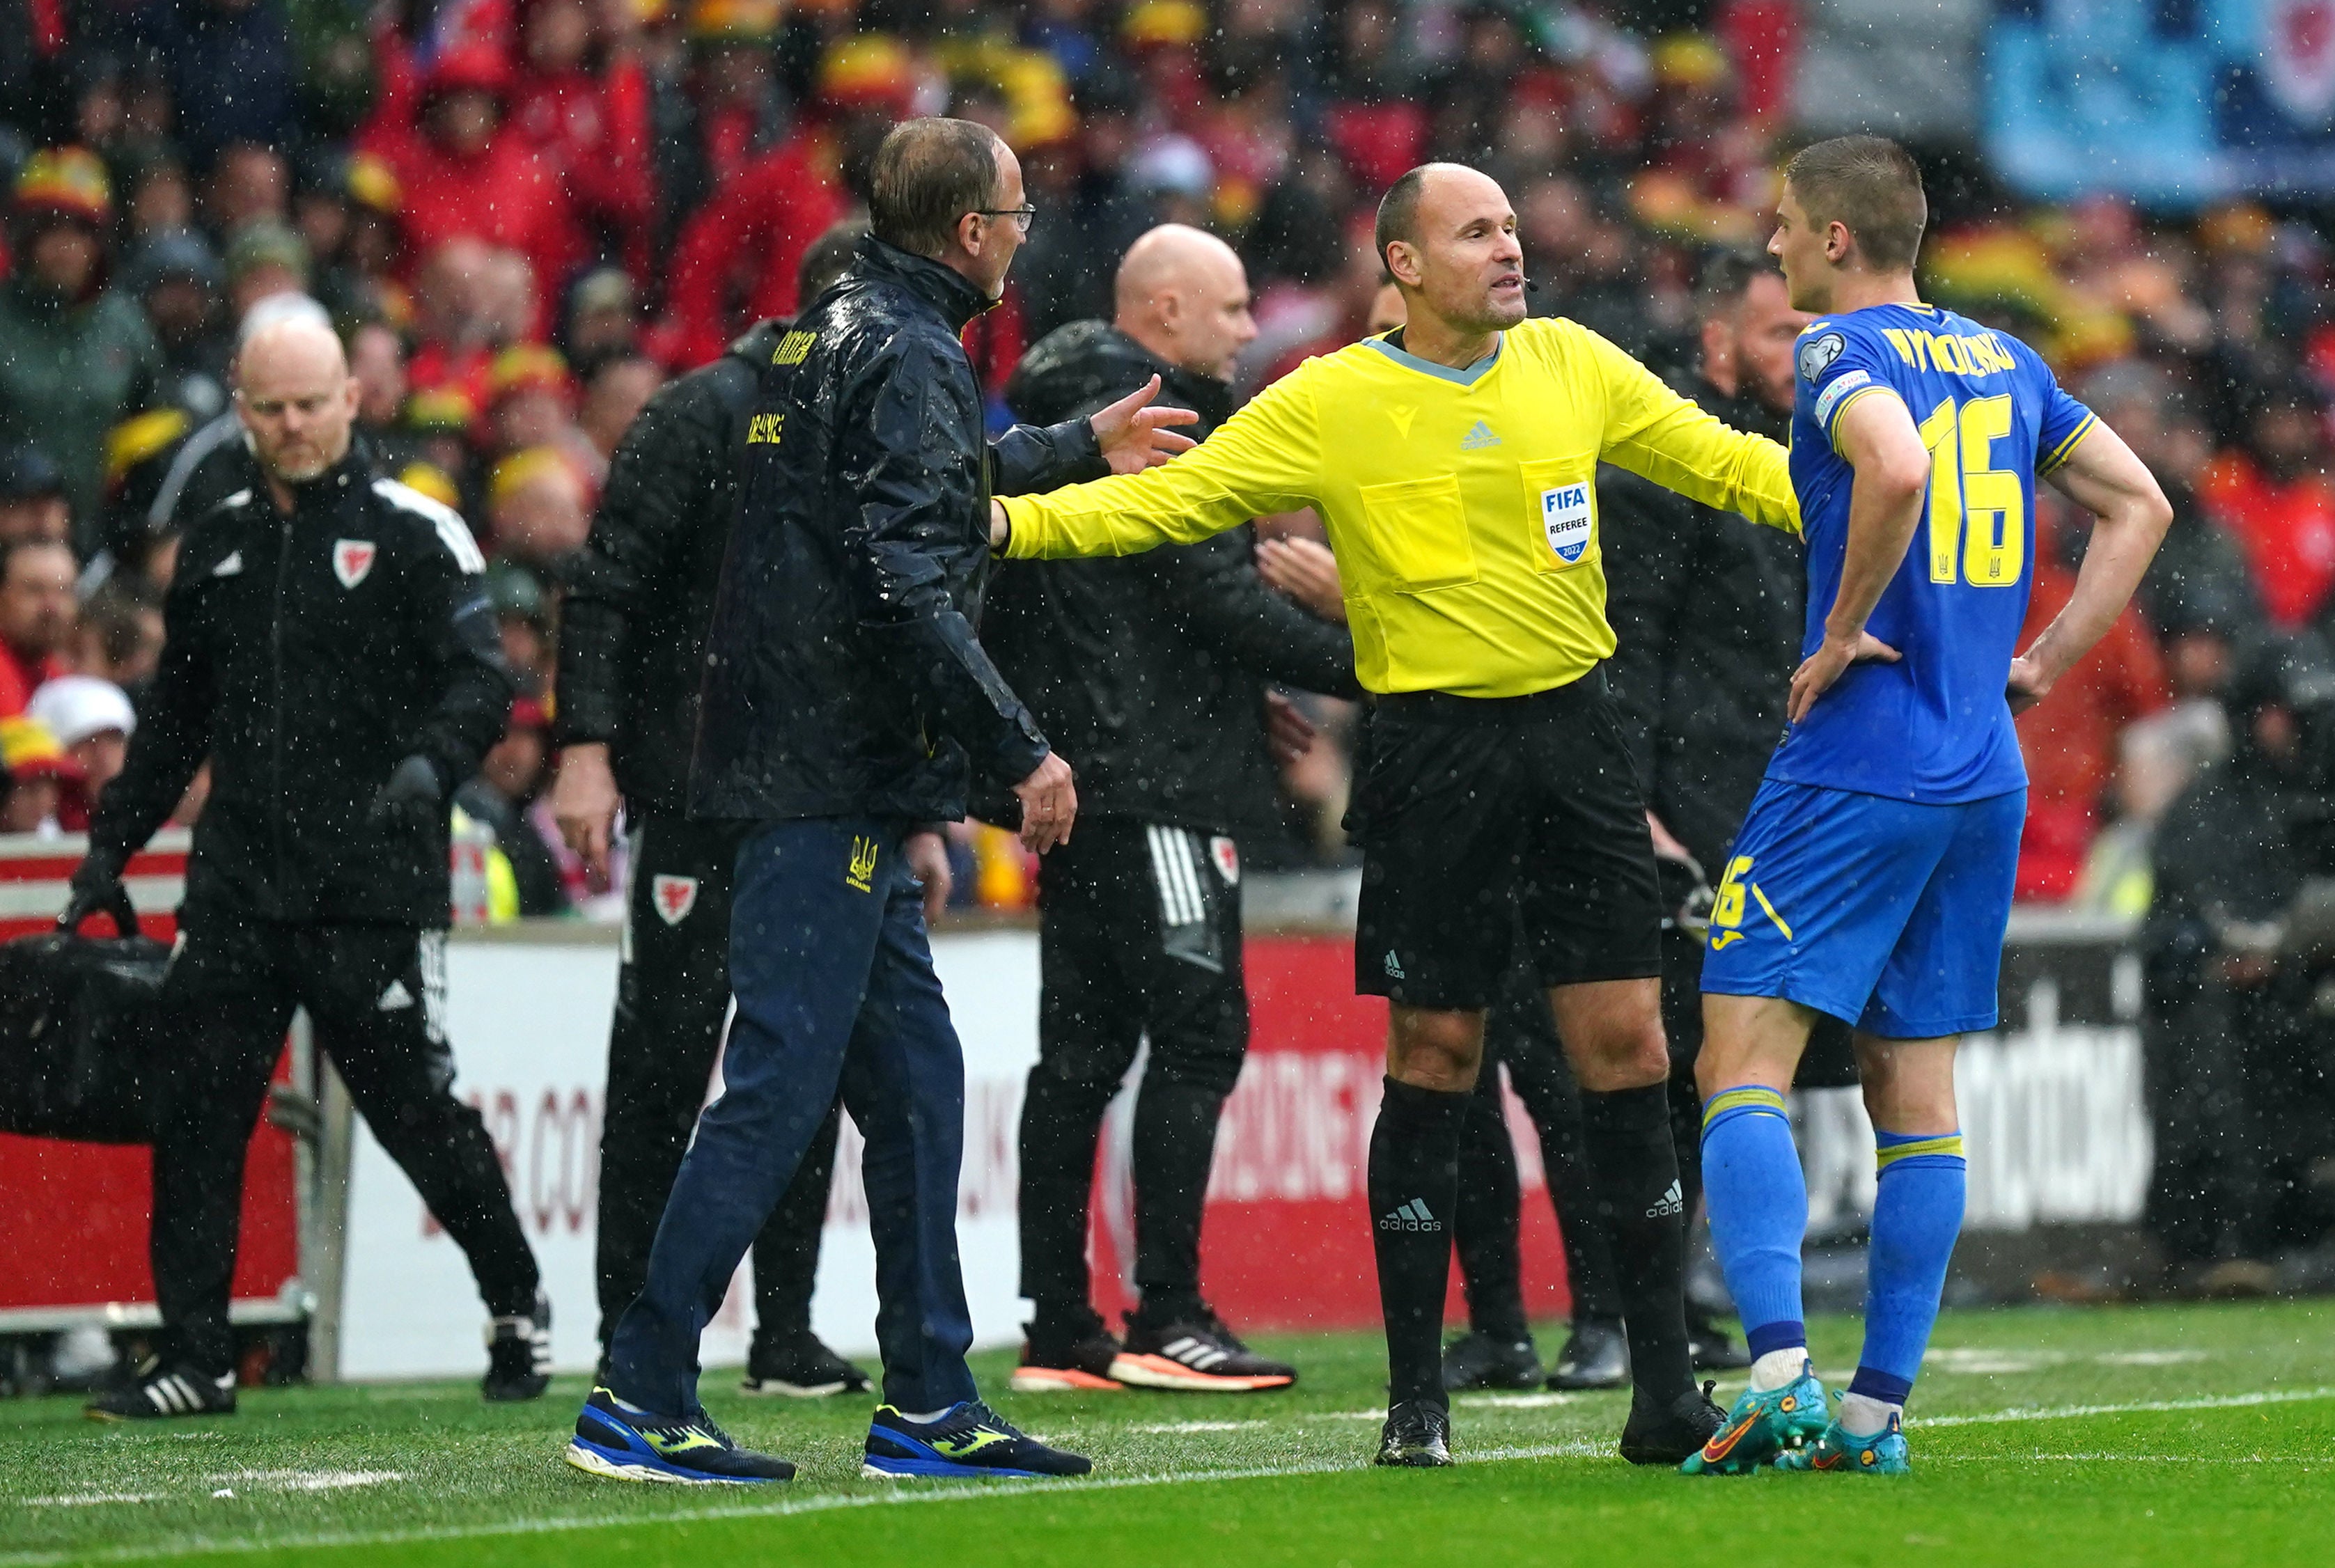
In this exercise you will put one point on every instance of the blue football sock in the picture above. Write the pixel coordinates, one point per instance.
(1916, 1215)
(1758, 1204)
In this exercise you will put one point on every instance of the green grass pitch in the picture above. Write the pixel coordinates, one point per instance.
(2178, 1435)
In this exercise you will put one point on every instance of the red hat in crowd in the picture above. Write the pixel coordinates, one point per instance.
(472, 67)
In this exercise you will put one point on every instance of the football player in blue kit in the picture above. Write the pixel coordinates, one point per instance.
(1872, 879)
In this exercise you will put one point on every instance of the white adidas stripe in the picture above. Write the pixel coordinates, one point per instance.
(1160, 879)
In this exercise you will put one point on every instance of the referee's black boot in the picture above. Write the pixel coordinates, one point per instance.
(1417, 1436)
(1667, 1434)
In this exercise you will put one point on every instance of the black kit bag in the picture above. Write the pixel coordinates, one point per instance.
(77, 1037)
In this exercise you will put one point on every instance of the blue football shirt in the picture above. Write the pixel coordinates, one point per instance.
(1934, 727)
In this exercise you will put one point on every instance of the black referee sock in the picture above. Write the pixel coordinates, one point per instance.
(1414, 1189)
(1635, 1169)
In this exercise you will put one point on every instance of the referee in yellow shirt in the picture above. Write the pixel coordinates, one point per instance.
(1454, 462)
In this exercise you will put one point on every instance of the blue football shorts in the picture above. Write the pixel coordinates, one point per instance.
(1886, 914)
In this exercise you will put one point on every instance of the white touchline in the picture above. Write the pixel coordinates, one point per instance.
(2066, 1412)
(1578, 1448)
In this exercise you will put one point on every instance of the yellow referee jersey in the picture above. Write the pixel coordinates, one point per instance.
(1462, 504)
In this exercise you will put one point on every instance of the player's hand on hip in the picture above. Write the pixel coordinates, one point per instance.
(2027, 686)
(1831, 660)
(584, 803)
(1050, 803)
(1131, 434)
(928, 861)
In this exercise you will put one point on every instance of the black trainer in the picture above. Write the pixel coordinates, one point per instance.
(1481, 1361)
(1066, 1354)
(519, 1356)
(1667, 1434)
(1194, 1352)
(1596, 1355)
(1417, 1436)
(1712, 1350)
(156, 1393)
(799, 1365)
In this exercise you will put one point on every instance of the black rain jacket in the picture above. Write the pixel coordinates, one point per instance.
(843, 675)
(305, 656)
(1148, 672)
(640, 596)
(1708, 613)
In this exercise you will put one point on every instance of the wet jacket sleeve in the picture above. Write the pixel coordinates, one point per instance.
(172, 737)
(1030, 459)
(917, 501)
(1214, 588)
(1649, 547)
(666, 466)
(1657, 434)
(1265, 459)
(455, 623)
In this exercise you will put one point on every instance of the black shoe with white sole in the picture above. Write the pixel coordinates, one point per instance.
(1595, 1356)
(801, 1366)
(1481, 1361)
(1417, 1435)
(160, 1393)
(518, 1355)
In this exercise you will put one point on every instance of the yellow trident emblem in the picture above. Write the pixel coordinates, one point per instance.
(863, 864)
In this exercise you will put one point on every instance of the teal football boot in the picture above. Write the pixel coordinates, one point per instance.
(1882, 1453)
(1762, 1426)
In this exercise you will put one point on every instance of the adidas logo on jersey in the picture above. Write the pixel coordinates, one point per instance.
(1477, 437)
(1412, 1216)
(1672, 1202)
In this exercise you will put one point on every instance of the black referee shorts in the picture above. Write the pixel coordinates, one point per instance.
(1484, 821)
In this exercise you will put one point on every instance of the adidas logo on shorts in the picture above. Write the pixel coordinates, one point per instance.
(1412, 1216)
(1671, 1202)
(1394, 966)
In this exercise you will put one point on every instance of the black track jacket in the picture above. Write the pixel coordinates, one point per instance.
(1706, 610)
(632, 630)
(1149, 670)
(306, 656)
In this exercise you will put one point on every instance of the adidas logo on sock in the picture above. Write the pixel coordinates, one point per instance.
(1412, 1216)
(1394, 966)
(1672, 1202)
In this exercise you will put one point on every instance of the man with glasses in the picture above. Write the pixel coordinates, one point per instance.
(846, 704)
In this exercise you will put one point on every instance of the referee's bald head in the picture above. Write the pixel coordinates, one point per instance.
(1446, 236)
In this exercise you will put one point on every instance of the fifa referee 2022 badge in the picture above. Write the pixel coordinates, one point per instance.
(1454, 462)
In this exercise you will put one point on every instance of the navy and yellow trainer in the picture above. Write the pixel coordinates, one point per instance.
(969, 1442)
(1762, 1426)
(1835, 1448)
(627, 1445)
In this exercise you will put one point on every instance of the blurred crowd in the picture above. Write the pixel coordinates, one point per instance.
(526, 214)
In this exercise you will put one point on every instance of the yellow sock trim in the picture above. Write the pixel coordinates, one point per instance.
(1952, 1143)
(1753, 1097)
